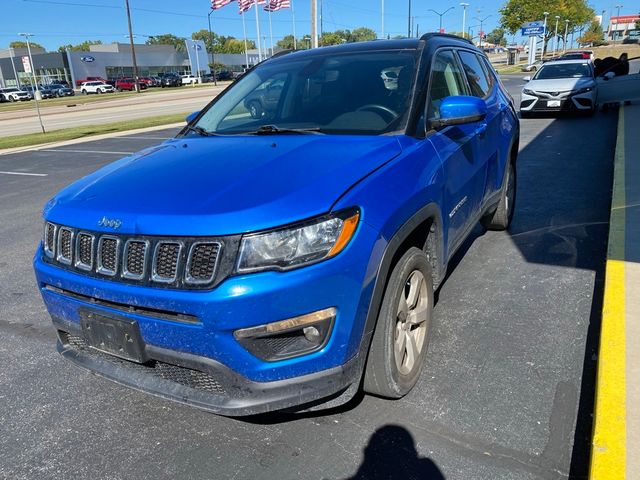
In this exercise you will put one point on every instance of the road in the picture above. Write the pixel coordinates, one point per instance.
(182, 100)
(509, 374)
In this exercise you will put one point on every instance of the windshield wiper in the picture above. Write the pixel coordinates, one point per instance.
(275, 130)
(200, 131)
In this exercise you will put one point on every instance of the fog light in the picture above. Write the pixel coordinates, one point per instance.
(288, 338)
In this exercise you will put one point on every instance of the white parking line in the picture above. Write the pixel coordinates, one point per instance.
(61, 150)
(25, 173)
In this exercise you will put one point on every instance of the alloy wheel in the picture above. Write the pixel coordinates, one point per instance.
(411, 322)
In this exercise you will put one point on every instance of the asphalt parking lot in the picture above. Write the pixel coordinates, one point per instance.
(507, 386)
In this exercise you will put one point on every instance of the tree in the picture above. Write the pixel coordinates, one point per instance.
(286, 43)
(234, 45)
(21, 44)
(517, 12)
(331, 38)
(81, 47)
(211, 41)
(496, 37)
(168, 39)
(362, 34)
(593, 35)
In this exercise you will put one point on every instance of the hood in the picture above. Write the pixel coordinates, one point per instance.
(559, 84)
(221, 185)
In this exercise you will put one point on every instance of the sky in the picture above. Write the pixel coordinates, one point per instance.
(57, 22)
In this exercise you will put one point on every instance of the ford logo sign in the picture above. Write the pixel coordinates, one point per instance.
(87, 58)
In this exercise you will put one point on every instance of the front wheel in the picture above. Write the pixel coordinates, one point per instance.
(84, 92)
(501, 217)
(12, 99)
(401, 337)
(255, 110)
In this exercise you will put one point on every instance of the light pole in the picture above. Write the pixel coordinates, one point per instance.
(481, 20)
(544, 34)
(555, 48)
(409, 21)
(382, 22)
(464, 16)
(615, 32)
(566, 32)
(440, 15)
(36, 91)
(213, 51)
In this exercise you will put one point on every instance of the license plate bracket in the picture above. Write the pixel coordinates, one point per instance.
(553, 103)
(114, 335)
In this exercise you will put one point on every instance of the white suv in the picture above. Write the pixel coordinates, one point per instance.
(96, 87)
(13, 95)
(189, 79)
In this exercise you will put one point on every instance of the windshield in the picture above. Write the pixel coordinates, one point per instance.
(356, 93)
(564, 70)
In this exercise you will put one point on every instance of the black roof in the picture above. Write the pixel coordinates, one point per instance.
(396, 44)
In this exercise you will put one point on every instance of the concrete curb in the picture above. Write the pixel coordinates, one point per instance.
(616, 415)
(88, 138)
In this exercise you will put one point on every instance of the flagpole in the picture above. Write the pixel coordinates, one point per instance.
(271, 32)
(293, 17)
(258, 32)
(246, 51)
(382, 18)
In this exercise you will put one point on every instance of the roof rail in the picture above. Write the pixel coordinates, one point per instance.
(427, 36)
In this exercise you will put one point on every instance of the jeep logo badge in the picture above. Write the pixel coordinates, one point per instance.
(111, 223)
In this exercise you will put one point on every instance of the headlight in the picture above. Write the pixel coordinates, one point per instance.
(298, 245)
(526, 91)
(583, 90)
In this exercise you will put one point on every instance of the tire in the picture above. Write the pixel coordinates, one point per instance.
(501, 217)
(255, 109)
(393, 366)
(84, 92)
(12, 99)
(534, 69)
(99, 91)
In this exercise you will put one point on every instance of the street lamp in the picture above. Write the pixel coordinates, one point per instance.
(36, 90)
(213, 52)
(566, 33)
(615, 32)
(440, 15)
(555, 48)
(481, 20)
(464, 16)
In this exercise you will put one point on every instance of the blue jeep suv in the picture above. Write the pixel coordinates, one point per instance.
(285, 255)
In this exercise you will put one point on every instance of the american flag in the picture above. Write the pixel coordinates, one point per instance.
(275, 5)
(245, 5)
(216, 4)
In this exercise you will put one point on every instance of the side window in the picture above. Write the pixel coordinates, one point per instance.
(446, 80)
(476, 74)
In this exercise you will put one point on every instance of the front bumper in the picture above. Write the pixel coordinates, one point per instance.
(205, 342)
(563, 103)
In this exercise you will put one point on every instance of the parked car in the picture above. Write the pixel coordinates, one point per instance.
(532, 67)
(13, 94)
(264, 100)
(171, 80)
(90, 79)
(60, 90)
(96, 87)
(189, 79)
(44, 91)
(129, 84)
(577, 55)
(148, 81)
(307, 264)
(224, 75)
(237, 74)
(562, 85)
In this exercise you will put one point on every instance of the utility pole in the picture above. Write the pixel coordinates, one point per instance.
(566, 33)
(464, 16)
(36, 91)
(409, 21)
(133, 50)
(382, 22)
(615, 32)
(314, 23)
(482, 34)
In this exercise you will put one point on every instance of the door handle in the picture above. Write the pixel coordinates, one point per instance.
(481, 130)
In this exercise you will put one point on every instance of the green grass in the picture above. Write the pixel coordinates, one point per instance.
(79, 132)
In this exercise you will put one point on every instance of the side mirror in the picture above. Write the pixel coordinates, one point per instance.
(526, 79)
(459, 110)
(191, 116)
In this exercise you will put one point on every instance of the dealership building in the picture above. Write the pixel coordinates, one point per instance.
(107, 61)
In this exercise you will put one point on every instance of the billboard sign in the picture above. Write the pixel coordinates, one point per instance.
(26, 64)
(198, 57)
